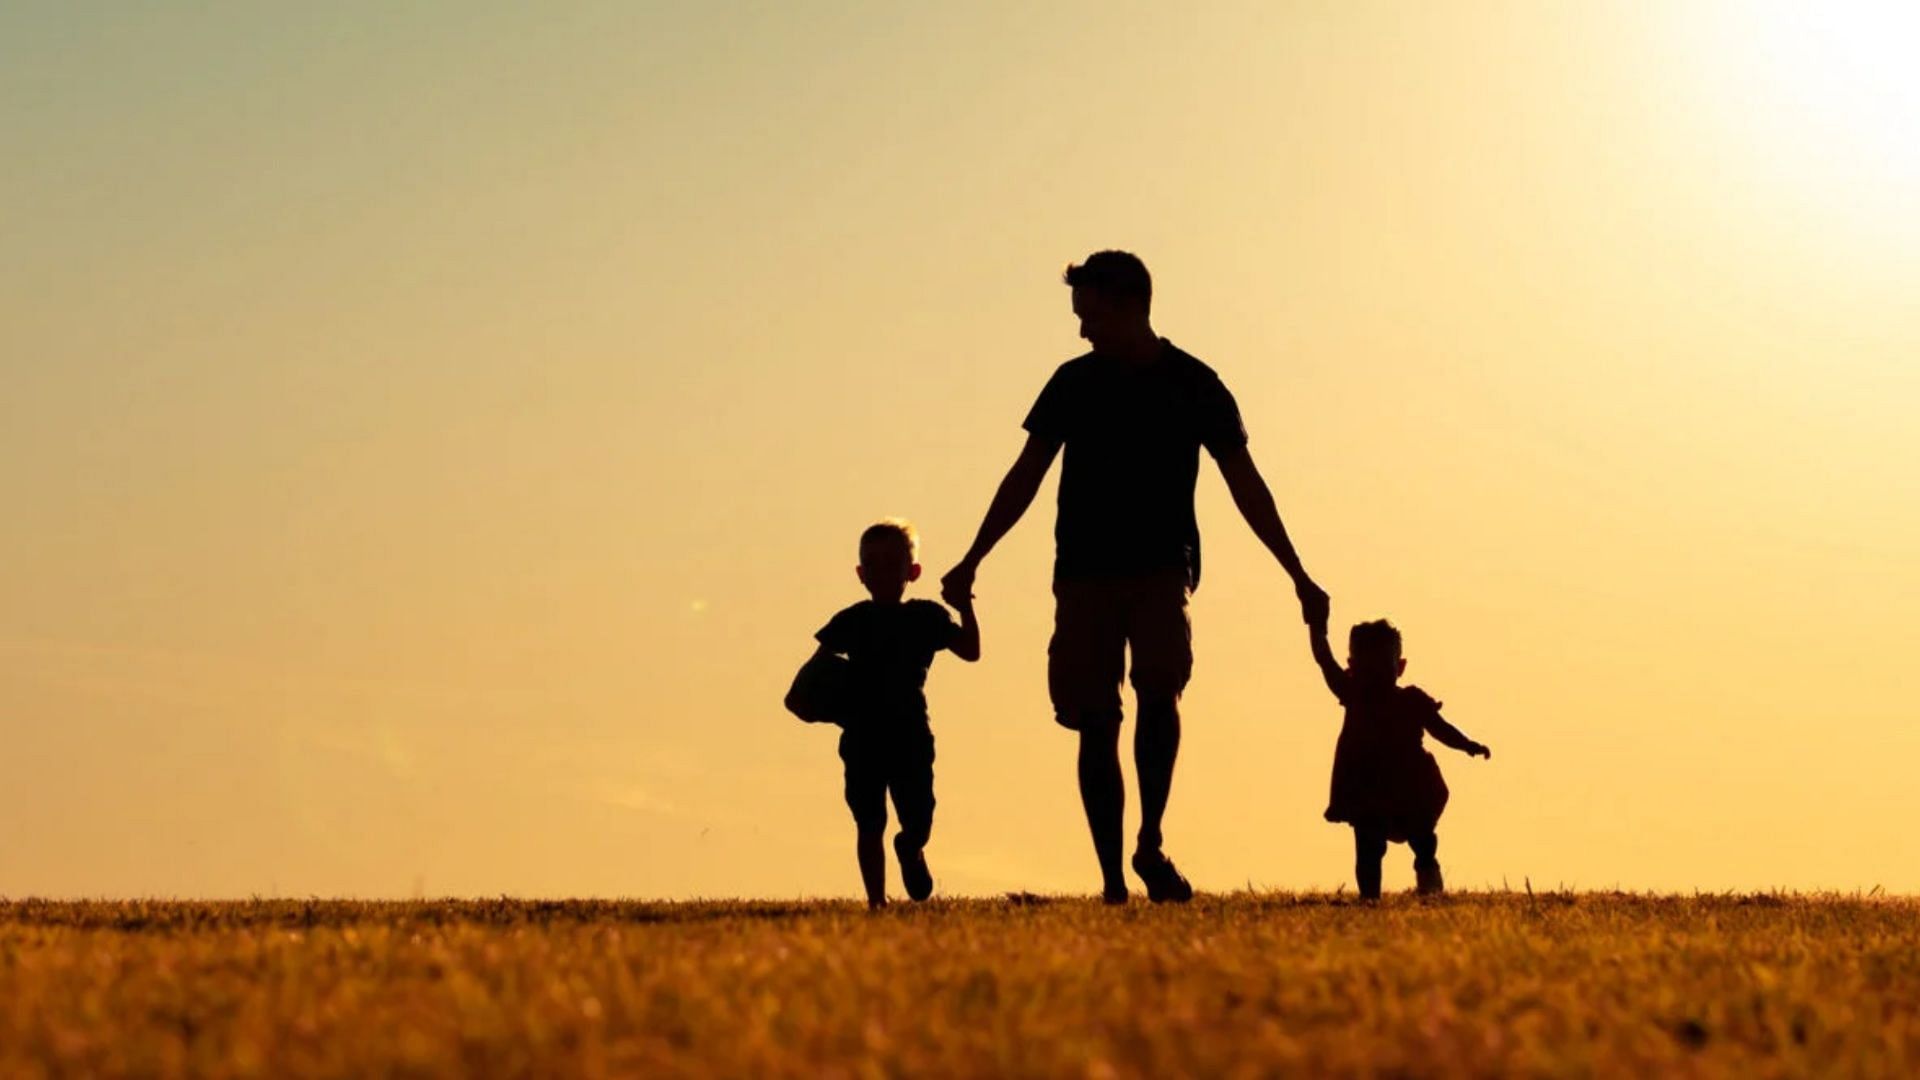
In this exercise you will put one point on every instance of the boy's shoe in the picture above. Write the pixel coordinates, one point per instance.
(1427, 881)
(1164, 882)
(913, 869)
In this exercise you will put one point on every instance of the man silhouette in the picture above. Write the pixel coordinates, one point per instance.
(1132, 415)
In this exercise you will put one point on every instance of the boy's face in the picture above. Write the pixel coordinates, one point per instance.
(1376, 667)
(886, 566)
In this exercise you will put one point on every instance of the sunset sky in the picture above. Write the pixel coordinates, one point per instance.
(433, 432)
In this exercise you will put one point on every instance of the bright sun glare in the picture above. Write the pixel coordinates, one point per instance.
(1847, 74)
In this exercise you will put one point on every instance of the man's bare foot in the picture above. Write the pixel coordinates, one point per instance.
(1165, 884)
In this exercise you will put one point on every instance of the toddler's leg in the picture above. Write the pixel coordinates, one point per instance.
(1369, 848)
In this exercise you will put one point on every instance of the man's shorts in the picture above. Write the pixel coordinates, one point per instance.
(1095, 622)
(900, 763)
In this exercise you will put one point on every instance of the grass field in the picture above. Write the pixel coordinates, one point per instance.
(1247, 984)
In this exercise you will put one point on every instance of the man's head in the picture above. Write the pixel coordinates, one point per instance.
(888, 550)
(1112, 296)
(1373, 653)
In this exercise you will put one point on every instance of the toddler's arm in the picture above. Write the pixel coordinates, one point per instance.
(1448, 735)
(966, 642)
(1330, 668)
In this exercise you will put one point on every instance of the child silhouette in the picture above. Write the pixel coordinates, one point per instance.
(1385, 784)
(886, 741)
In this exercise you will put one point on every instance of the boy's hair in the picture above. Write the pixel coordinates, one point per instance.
(1376, 638)
(898, 529)
(1118, 274)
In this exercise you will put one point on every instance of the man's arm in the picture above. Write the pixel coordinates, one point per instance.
(1250, 494)
(1016, 493)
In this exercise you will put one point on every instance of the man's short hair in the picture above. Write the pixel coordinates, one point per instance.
(898, 530)
(1117, 274)
(1376, 638)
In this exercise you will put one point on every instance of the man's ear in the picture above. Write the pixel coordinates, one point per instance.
(913, 572)
(1402, 670)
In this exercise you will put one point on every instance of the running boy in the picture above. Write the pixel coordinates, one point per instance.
(1385, 784)
(886, 740)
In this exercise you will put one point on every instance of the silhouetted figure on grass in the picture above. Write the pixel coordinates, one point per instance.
(877, 693)
(1132, 414)
(1385, 783)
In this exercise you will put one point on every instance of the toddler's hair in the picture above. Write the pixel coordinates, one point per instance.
(897, 529)
(1376, 638)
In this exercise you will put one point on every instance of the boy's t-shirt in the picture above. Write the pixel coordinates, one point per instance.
(889, 648)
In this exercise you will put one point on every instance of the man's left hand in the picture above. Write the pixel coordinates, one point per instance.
(1314, 605)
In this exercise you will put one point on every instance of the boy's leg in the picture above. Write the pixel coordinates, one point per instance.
(872, 853)
(1369, 848)
(866, 795)
(911, 781)
(1426, 867)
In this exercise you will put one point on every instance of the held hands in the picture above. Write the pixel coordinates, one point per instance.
(1314, 606)
(956, 587)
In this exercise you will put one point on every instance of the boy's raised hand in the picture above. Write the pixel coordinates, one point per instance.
(957, 593)
(958, 581)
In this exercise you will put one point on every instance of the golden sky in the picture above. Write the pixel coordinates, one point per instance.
(433, 435)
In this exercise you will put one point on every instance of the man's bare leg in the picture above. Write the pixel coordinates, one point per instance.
(1156, 746)
(1103, 793)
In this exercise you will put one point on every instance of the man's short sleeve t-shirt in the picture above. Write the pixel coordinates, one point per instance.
(890, 647)
(1132, 435)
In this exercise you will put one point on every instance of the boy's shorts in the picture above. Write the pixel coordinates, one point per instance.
(1095, 621)
(901, 763)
